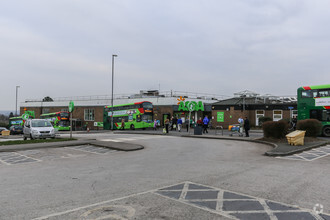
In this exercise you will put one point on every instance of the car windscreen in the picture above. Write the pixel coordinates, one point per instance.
(41, 123)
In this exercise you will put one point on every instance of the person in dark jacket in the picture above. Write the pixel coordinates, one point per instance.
(246, 126)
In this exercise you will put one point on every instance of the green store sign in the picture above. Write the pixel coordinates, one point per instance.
(191, 106)
(220, 117)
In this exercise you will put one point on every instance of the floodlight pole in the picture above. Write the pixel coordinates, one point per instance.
(16, 99)
(113, 67)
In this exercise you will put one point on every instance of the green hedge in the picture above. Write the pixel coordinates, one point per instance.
(275, 129)
(264, 119)
(312, 127)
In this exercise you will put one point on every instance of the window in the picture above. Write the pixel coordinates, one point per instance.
(294, 113)
(89, 114)
(324, 93)
(119, 119)
(64, 115)
(326, 115)
(321, 115)
(309, 94)
(259, 114)
(147, 118)
(277, 115)
(147, 105)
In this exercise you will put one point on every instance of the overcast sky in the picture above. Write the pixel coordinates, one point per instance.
(64, 47)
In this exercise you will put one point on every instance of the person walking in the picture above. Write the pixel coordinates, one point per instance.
(294, 122)
(167, 123)
(155, 125)
(174, 123)
(199, 122)
(205, 124)
(241, 122)
(179, 122)
(246, 126)
(122, 124)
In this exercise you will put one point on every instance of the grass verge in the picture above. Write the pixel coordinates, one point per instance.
(35, 141)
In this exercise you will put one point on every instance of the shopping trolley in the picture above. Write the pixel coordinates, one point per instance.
(236, 129)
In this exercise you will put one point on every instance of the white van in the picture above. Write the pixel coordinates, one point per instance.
(38, 128)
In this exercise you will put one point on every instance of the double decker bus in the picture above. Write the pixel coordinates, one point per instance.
(19, 119)
(314, 102)
(60, 120)
(135, 115)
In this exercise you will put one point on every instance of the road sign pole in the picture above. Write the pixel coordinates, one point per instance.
(70, 124)
(71, 108)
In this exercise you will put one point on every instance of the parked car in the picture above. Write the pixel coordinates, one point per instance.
(3, 129)
(38, 128)
(16, 129)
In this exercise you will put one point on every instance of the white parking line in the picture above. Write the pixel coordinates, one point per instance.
(133, 138)
(310, 155)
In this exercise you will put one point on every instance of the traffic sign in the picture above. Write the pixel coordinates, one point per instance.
(71, 106)
(25, 116)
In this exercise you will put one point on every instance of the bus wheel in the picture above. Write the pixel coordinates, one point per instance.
(326, 131)
(132, 127)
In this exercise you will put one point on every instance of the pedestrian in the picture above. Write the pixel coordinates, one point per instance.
(241, 122)
(205, 124)
(199, 122)
(179, 122)
(122, 124)
(294, 122)
(155, 124)
(167, 123)
(192, 122)
(246, 126)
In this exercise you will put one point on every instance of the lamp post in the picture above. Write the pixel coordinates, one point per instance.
(16, 99)
(113, 62)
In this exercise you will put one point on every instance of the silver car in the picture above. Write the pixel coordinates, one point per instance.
(38, 128)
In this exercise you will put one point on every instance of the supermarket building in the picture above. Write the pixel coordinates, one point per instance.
(223, 111)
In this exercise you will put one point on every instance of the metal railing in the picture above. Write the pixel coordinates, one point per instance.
(217, 128)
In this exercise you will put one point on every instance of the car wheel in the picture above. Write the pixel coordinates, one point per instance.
(326, 131)
(132, 127)
(31, 137)
(24, 138)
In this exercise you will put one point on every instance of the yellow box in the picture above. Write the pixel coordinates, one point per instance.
(5, 133)
(296, 138)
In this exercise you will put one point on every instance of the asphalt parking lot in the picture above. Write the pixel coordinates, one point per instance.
(171, 178)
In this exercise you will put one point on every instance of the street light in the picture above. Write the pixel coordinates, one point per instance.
(16, 99)
(113, 61)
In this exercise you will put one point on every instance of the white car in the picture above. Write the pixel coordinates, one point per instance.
(38, 128)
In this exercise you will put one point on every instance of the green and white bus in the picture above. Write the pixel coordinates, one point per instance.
(135, 115)
(314, 102)
(19, 119)
(60, 120)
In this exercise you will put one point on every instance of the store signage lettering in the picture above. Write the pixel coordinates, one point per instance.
(187, 105)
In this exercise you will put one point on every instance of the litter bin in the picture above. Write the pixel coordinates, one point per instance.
(198, 130)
